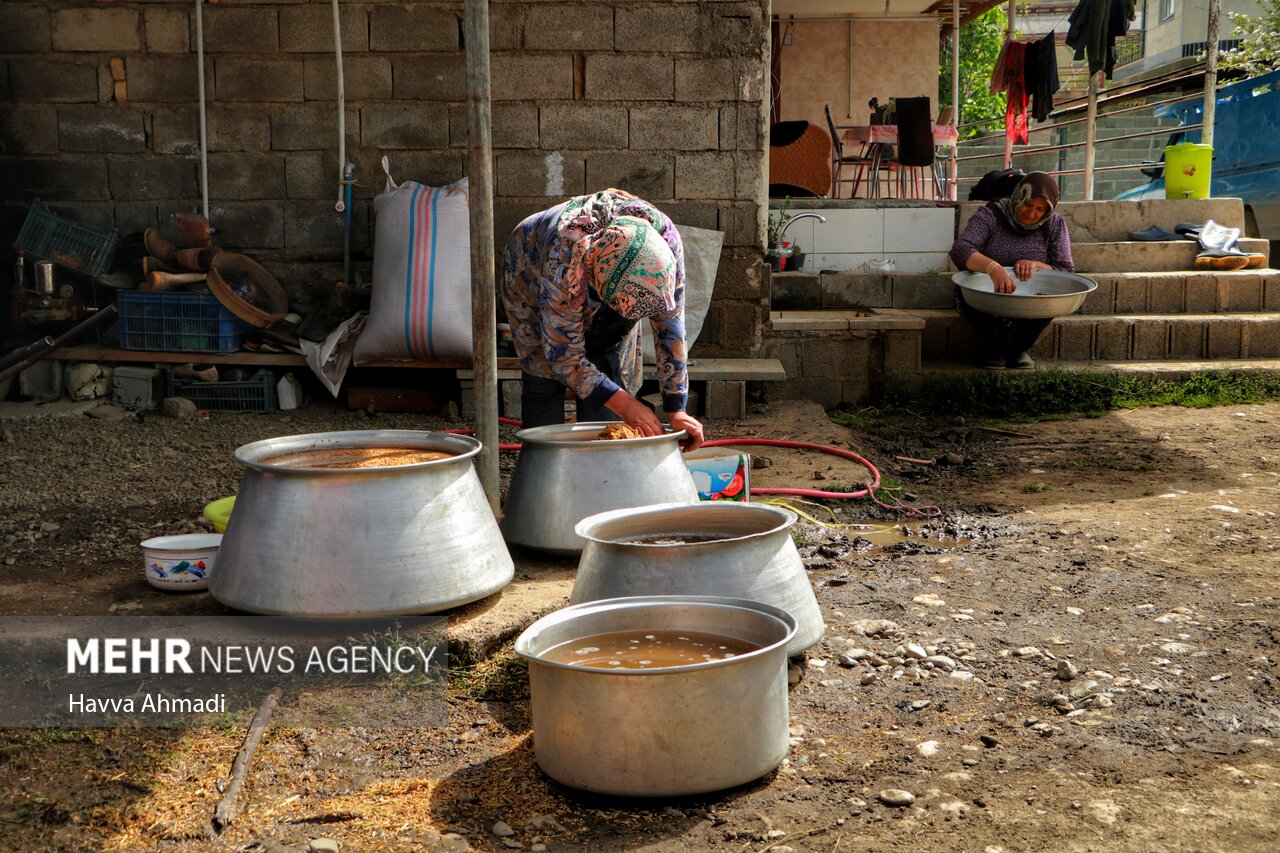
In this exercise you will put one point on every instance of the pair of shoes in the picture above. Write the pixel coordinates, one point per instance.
(1222, 260)
(1154, 234)
(993, 361)
(1021, 361)
(199, 373)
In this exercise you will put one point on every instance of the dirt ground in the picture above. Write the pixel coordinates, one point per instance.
(1079, 654)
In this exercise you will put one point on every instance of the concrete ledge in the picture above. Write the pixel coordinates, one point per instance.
(806, 321)
(1171, 256)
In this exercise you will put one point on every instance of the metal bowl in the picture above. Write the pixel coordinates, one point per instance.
(341, 543)
(668, 731)
(566, 473)
(1047, 294)
(751, 557)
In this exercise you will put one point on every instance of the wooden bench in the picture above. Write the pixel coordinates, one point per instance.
(722, 381)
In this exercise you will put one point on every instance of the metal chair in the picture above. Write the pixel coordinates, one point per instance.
(915, 147)
(839, 160)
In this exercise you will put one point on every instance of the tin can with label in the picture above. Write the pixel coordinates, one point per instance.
(44, 278)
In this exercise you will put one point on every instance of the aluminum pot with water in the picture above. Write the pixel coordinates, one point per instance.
(666, 731)
(566, 473)
(315, 542)
(736, 549)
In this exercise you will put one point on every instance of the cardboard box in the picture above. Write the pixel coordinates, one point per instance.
(720, 475)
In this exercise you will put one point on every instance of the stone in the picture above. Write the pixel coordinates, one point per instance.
(178, 407)
(896, 797)
(1066, 670)
(94, 30)
(915, 650)
(323, 845)
(502, 829)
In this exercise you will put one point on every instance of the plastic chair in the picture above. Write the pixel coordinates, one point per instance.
(915, 147)
(839, 160)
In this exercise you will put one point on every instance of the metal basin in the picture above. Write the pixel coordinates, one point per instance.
(340, 543)
(668, 731)
(565, 473)
(752, 557)
(1047, 294)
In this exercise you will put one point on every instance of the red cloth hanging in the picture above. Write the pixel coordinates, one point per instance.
(1015, 116)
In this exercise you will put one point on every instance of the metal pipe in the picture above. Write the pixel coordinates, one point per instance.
(22, 352)
(1090, 135)
(1210, 74)
(1009, 31)
(1069, 145)
(204, 134)
(348, 180)
(108, 313)
(483, 299)
(342, 112)
(953, 191)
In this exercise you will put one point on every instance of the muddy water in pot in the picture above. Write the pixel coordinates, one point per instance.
(647, 649)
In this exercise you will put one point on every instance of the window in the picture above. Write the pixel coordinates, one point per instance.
(1167, 8)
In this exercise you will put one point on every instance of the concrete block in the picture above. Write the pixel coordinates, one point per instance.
(1131, 296)
(245, 30)
(1166, 294)
(849, 231)
(568, 27)
(569, 125)
(1101, 300)
(510, 391)
(675, 128)
(1271, 293)
(740, 275)
(934, 339)
(245, 175)
(436, 169)
(131, 217)
(1075, 340)
(1200, 294)
(532, 76)
(365, 78)
(136, 387)
(310, 174)
(467, 387)
(629, 77)
(901, 352)
(1150, 340)
(918, 229)
(1263, 339)
(1046, 346)
(50, 178)
(794, 292)
(309, 29)
(53, 80)
(316, 225)
(647, 175)
(1226, 339)
(1187, 339)
(152, 177)
(93, 214)
(669, 28)
(506, 26)
(250, 225)
(743, 128)
(749, 176)
(705, 175)
(105, 129)
(739, 220)
(100, 29)
(1113, 340)
(532, 173)
(726, 399)
(699, 214)
(168, 79)
(258, 80)
(301, 128)
(417, 28)
(24, 28)
(441, 77)
(742, 29)
(707, 80)
(857, 290)
(922, 291)
(832, 358)
(167, 30)
(1240, 292)
(405, 126)
(28, 131)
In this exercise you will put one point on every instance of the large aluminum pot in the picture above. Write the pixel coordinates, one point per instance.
(565, 473)
(668, 731)
(752, 557)
(340, 543)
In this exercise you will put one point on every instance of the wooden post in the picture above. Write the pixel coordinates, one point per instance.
(1090, 134)
(952, 192)
(483, 296)
(1008, 36)
(1210, 74)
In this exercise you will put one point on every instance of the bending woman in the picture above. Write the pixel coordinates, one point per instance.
(1024, 233)
(575, 280)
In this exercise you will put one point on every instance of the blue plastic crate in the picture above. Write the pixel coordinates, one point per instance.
(178, 322)
(68, 244)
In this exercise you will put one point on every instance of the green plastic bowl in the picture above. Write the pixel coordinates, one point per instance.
(219, 511)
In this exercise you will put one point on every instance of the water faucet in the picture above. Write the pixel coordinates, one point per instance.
(792, 221)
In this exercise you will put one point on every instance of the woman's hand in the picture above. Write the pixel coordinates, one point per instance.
(1003, 281)
(635, 413)
(1024, 269)
(683, 421)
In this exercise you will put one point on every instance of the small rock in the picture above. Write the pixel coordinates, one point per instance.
(896, 797)
(929, 748)
(774, 835)
(49, 526)
(915, 650)
(941, 662)
(961, 675)
(7, 437)
(547, 822)
(761, 462)
(1027, 651)
(817, 663)
(951, 459)
(177, 407)
(1067, 671)
(538, 848)
(502, 829)
(929, 600)
(866, 679)
(920, 704)
(323, 845)
(847, 661)
(794, 674)
(988, 741)
(452, 842)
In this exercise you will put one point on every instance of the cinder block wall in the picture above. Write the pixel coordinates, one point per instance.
(98, 116)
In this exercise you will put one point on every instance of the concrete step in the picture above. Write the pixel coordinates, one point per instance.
(1173, 256)
(1126, 337)
(1147, 370)
(1118, 292)
(1111, 221)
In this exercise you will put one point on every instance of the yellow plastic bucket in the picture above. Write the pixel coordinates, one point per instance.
(218, 512)
(1187, 169)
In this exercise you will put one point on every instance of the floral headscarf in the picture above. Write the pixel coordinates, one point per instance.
(1034, 185)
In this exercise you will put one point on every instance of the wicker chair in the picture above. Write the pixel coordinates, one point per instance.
(799, 160)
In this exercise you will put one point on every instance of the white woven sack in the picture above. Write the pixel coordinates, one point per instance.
(421, 304)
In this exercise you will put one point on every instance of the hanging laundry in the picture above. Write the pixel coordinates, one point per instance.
(1015, 116)
(1094, 27)
(1000, 71)
(1041, 72)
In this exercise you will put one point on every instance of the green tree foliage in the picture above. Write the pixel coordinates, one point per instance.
(1259, 50)
(980, 42)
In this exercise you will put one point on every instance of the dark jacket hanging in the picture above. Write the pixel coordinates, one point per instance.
(1042, 75)
(1094, 27)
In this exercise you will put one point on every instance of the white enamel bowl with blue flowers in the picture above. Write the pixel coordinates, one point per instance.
(180, 563)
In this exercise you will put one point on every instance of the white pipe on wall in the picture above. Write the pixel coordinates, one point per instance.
(342, 113)
(204, 136)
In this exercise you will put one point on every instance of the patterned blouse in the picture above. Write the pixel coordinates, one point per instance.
(985, 233)
(550, 305)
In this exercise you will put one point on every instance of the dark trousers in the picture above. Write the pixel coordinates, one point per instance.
(1002, 336)
(542, 403)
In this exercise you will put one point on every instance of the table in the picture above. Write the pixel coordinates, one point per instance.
(875, 139)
